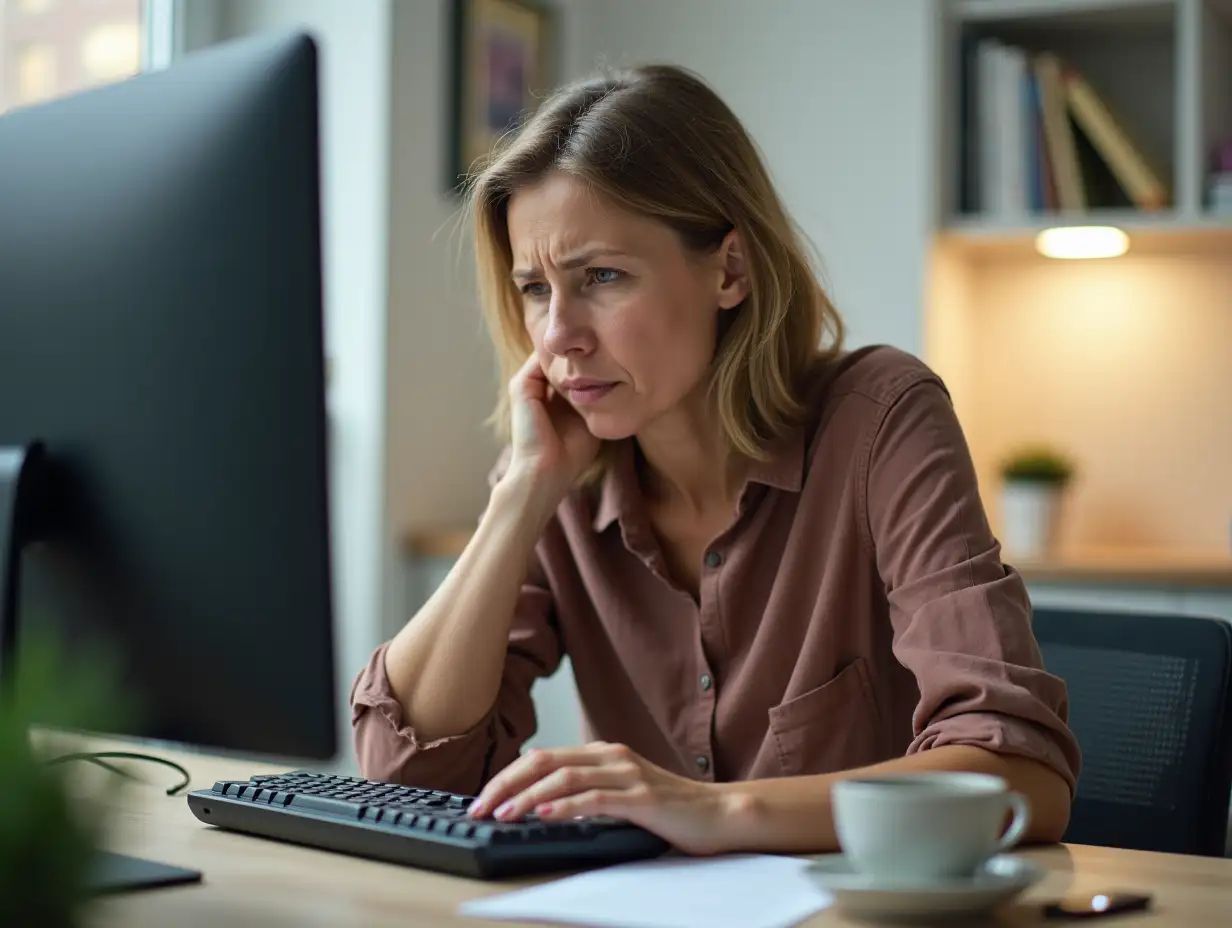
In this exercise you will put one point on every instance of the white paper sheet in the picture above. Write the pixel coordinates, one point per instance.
(740, 891)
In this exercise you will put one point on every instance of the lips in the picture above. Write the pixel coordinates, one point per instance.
(583, 392)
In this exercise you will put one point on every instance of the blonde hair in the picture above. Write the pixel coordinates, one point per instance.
(658, 142)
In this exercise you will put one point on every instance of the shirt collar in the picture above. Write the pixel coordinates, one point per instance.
(619, 496)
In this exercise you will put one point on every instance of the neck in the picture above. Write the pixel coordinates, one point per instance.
(687, 461)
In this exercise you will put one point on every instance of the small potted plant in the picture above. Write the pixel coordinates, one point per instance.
(1034, 481)
(48, 832)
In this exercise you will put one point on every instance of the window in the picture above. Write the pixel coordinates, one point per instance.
(49, 48)
(111, 51)
(36, 73)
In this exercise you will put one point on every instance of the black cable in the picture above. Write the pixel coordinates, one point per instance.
(97, 758)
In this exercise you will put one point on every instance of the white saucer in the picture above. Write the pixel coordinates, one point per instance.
(999, 880)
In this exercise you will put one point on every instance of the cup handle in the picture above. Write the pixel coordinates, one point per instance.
(1022, 817)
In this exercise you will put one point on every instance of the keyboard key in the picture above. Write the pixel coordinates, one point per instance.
(229, 787)
(336, 807)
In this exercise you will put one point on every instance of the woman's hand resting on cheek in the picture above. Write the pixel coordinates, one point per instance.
(551, 444)
(609, 780)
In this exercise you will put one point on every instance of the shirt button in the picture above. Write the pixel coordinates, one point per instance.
(703, 762)
(713, 559)
(706, 682)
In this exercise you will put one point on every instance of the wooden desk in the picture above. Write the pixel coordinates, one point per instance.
(252, 881)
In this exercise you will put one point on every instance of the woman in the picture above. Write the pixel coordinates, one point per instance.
(766, 557)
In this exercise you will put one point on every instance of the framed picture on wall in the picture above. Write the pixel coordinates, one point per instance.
(502, 67)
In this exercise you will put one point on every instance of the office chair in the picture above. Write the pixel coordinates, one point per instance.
(1151, 705)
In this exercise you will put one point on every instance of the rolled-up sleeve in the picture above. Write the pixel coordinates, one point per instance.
(961, 617)
(387, 746)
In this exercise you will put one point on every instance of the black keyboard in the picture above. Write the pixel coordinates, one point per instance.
(418, 827)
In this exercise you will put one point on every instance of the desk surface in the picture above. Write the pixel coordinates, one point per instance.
(252, 881)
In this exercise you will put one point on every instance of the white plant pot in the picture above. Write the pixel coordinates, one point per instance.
(1030, 512)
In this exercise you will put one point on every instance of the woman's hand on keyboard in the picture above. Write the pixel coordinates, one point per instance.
(611, 780)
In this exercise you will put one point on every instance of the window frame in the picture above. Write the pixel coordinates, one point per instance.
(162, 38)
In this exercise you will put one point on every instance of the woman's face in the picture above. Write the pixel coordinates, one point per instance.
(622, 316)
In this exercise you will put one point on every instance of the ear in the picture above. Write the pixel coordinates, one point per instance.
(734, 284)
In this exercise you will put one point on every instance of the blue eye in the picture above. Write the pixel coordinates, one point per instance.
(604, 275)
(536, 289)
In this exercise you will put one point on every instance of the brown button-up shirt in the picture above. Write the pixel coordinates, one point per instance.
(857, 609)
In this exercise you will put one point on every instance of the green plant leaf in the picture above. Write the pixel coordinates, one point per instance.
(1038, 464)
(48, 835)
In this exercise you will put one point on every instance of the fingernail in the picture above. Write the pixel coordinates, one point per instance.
(473, 807)
(504, 809)
(544, 808)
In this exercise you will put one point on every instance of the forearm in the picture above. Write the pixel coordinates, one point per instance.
(445, 665)
(793, 814)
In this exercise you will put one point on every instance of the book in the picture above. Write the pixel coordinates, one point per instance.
(1061, 149)
(1143, 185)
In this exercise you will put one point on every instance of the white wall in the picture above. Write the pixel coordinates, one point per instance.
(838, 94)
(354, 43)
(441, 373)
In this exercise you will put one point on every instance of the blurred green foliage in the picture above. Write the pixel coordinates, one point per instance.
(48, 835)
(1038, 464)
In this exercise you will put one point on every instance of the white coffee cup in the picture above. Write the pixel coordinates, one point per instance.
(926, 827)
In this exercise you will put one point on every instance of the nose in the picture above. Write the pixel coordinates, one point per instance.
(568, 332)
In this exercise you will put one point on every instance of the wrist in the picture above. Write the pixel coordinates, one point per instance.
(524, 500)
(778, 815)
(741, 817)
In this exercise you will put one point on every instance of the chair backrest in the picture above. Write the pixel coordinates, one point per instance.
(1151, 705)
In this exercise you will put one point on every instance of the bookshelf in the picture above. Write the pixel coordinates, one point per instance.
(1121, 363)
(1075, 112)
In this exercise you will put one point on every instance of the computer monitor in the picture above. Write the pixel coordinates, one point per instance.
(163, 424)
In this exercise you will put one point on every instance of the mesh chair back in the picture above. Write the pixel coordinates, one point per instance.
(1151, 706)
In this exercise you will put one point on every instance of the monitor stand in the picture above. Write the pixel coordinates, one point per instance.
(21, 493)
(119, 873)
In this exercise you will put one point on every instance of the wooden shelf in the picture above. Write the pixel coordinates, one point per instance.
(444, 542)
(1138, 566)
(1149, 233)
(1134, 565)
(1121, 12)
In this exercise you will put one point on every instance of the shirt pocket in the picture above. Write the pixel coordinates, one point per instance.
(835, 726)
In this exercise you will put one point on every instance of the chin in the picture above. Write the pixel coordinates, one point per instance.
(608, 427)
